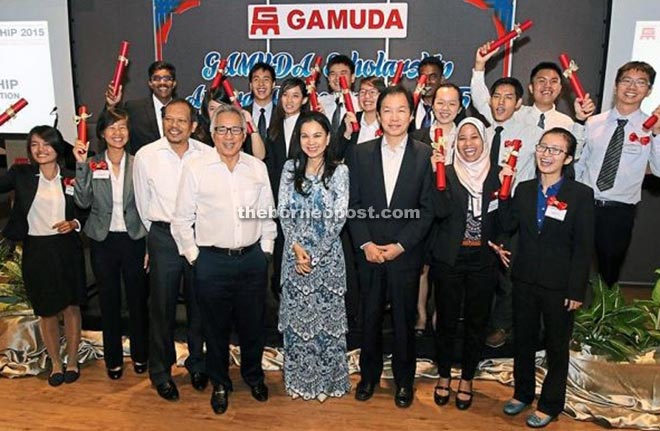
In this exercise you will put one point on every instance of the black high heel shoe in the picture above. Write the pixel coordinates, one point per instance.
(441, 400)
(115, 373)
(464, 404)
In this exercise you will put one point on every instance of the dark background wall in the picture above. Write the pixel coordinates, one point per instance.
(453, 28)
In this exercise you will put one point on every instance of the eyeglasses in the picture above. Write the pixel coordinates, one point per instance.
(553, 151)
(162, 78)
(629, 82)
(235, 130)
(371, 93)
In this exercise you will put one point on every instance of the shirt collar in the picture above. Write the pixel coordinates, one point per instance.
(553, 189)
(157, 103)
(615, 115)
(398, 148)
(538, 112)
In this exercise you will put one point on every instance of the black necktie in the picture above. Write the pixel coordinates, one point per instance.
(428, 117)
(541, 122)
(612, 158)
(261, 126)
(336, 117)
(495, 147)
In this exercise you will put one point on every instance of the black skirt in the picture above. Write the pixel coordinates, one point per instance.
(53, 272)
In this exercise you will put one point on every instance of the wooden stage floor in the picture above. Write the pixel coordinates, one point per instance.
(96, 402)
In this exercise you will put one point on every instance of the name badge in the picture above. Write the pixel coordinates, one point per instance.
(68, 190)
(493, 205)
(555, 213)
(632, 149)
(101, 174)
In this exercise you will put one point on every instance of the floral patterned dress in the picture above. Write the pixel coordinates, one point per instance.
(312, 315)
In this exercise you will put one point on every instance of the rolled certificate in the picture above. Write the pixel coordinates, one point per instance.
(439, 144)
(222, 70)
(12, 110)
(120, 67)
(81, 122)
(512, 161)
(311, 92)
(506, 38)
(316, 69)
(417, 94)
(232, 96)
(570, 72)
(348, 101)
(648, 124)
(398, 73)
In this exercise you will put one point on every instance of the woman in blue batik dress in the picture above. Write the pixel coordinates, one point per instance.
(313, 200)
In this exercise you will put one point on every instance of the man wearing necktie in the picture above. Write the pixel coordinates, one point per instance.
(262, 84)
(433, 68)
(332, 104)
(614, 161)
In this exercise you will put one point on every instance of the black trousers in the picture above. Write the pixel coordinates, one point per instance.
(352, 296)
(278, 251)
(113, 259)
(531, 303)
(613, 228)
(167, 268)
(232, 289)
(401, 287)
(470, 282)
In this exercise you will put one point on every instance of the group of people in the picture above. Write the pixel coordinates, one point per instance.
(189, 197)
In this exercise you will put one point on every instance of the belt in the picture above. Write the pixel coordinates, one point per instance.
(232, 251)
(611, 204)
(471, 243)
(163, 224)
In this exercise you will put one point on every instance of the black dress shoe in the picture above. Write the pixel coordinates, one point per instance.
(260, 392)
(441, 400)
(140, 368)
(168, 391)
(219, 399)
(56, 379)
(403, 397)
(115, 374)
(71, 376)
(364, 391)
(199, 380)
(464, 404)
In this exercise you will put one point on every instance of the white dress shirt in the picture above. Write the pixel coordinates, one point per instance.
(634, 156)
(158, 108)
(328, 101)
(117, 223)
(48, 207)
(420, 113)
(392, 159)
(156, 173)
(367, 131)
(289, 124)
(209, 201)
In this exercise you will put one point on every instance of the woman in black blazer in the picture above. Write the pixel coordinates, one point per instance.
(463, 267)
(46, 219)
(554, 217)
(104, 183)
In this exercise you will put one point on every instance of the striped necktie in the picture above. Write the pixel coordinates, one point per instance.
(612, 158)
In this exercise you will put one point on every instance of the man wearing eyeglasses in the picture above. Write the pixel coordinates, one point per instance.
(156, 172)
(614, 161)
(223, 226)
(144, 115)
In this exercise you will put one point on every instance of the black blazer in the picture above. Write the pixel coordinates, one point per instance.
(24, 180)
(276, 156)
(450, 209)
(412, 191)
(142, 123)
(422, 135)
(342, 145)
(558, 257)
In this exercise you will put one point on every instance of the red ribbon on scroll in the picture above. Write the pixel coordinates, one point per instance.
(348, 101)
(81, 122)
(570, 72)
(417, 93)
(512, 161)
(222, 70)
(648, 124)
(440, 176)
(398, 73)
(12, 110)
(506, 38)
(232, 96)
(120, 68)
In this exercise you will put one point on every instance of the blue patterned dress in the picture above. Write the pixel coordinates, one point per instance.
(312, 311)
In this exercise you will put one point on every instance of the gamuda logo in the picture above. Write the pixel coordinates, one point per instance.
(329, 21)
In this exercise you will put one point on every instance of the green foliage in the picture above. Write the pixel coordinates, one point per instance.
(615, 329)
(12, 290)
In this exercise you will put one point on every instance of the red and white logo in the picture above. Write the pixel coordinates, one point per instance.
(328, 21)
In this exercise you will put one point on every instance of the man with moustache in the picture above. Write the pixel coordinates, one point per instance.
(262, 84)
(230, 253)
(388, 174)
(144, 115)
(156, 173)
(433, 69)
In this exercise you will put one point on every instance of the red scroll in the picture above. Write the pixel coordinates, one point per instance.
(232, 96)
(512, 161)
(506, 38)
(12, 110)
(222, 70)
(81, 122)
(311, 81)
(648, 124)
(439, 144)
(316, 69)
(348, 101)
(417, 94)
(398, 74)
(120, 68)
(570, 72)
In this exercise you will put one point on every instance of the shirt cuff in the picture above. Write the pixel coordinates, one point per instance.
(267, 245)
(365, 244)
(400, 246)
(191, 254)
(79, 227)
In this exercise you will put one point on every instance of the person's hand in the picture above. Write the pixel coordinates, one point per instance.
(373, 253)
(66, 226)
(506, 170)
(504, 254)
(80, 150)
(111, 99)
(437, 157)
(656, 127)
(584, 108)
(481, 59)
(390, 251)
(145, 264)
(349, 119)
(303, 262)
(572, 304)
(247, 116)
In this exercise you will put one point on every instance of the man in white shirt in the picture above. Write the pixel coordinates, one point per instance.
(156, 172)
(614, 161)
(262, 84)
(333, 103)
(144, 115)
(230, 248)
